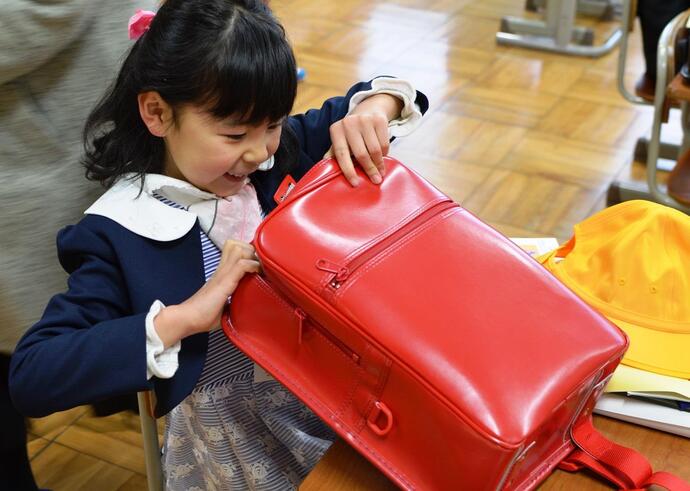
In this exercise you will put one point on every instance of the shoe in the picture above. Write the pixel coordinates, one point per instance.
(679, 180)
(645, 88)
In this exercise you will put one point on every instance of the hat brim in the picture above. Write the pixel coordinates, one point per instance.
(650, 349)
(661, 352)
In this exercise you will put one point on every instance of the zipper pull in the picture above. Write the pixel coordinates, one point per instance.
(340, 272)
(301, 317)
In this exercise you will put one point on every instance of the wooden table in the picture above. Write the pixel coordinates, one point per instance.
(343, 469)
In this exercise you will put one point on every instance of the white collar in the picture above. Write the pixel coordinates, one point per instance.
(138, 211)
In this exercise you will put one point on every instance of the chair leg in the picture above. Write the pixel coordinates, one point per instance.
(668, 153)
(557, 32)
(152, 455)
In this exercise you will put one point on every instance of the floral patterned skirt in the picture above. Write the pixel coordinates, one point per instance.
(244, 432)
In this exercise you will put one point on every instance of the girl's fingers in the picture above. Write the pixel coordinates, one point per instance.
(234, 250)
(341, 151)
(375, 149)
(230, 277)
(383, 136)
(238, 259)
(356, 130)
(239, 269)
(237, 272)
(366, 137)
(244, 246)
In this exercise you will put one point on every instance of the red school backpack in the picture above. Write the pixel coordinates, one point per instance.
(428, 341)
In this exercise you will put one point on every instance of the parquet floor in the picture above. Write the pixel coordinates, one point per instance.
(528, 141)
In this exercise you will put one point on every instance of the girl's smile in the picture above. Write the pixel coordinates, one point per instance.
(217, 155)
(235, 178)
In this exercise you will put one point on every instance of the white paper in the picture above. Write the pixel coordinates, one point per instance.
(644, 413)
(536, 246)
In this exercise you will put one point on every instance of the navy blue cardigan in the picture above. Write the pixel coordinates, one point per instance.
(90, 343)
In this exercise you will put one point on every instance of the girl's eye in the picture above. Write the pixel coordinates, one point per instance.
(236, 137)
(276, 125)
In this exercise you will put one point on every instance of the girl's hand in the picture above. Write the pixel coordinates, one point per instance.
(201, 312)
(364, 134)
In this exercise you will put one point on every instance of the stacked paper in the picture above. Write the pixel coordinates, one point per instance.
(646, 386)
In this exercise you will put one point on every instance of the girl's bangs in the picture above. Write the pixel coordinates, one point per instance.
(255, 79)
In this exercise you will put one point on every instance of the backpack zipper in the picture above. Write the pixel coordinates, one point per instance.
(341, 272)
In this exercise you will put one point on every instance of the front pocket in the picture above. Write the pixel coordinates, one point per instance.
(341, 273)
(301, 354)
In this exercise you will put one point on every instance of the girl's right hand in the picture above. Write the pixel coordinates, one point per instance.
(201, 312)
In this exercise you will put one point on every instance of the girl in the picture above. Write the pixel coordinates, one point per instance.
(193, 141)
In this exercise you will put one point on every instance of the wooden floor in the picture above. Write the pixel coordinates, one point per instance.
(528, 141)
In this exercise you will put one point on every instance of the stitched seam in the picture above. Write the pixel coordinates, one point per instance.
(291, 309)
(409, 218)
(378, 389)
(362, 421)
(546, 467)
(258, 353)
(384, 378)
(393, 248)
(384, 462)
(367, 410)
(264, 286)
(325, 280)
(357, 372)
(399, 245)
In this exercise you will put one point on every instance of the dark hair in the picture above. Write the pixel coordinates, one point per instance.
(231, 56)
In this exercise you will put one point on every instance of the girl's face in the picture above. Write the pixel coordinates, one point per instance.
(217, 155)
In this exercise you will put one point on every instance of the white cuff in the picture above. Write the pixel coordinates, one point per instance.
(160, 362)
(410, 116)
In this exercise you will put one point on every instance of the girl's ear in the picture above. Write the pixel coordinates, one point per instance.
(156, 114)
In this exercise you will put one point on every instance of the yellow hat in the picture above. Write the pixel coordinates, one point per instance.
(631, 262)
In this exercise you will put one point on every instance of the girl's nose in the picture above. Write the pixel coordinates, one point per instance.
(257, 152)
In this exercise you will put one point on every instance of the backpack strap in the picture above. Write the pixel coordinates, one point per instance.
(623, 466)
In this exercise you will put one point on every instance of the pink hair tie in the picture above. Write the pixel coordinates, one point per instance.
(139, 23)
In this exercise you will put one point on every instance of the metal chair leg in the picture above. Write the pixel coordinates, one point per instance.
(557, 33)
(152, 454)
(628, 16)
(605, 10)
(667, 152)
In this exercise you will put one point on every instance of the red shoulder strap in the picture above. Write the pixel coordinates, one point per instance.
(623, 466)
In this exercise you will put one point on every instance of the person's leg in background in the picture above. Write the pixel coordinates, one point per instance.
(654, 15)
(15, 470)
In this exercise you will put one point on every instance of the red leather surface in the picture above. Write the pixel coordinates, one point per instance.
(413, 303)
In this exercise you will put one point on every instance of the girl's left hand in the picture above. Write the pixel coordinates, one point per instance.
(364, 134)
